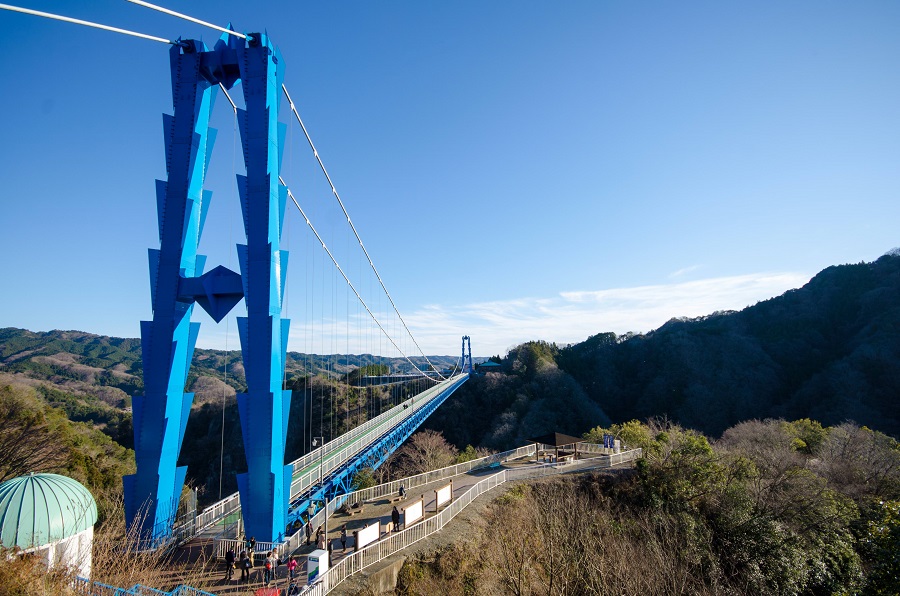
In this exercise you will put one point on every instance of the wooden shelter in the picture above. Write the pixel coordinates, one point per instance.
(556, 440)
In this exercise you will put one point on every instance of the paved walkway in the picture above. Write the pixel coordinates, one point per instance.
(198, 553)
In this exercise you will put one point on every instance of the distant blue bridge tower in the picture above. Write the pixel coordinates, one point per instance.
(467, 366)
(177, 281)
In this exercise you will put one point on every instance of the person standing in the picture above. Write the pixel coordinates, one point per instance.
(292, 568)
(330, 547)
(229, 565)
(245, 566)
(308, 532)
(320, 538)
(249, 545)
(344, 538)
(395, 517)
(402, 492)
(271, 565)
(267, 571)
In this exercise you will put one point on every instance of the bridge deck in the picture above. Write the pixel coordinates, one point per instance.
(336, 455)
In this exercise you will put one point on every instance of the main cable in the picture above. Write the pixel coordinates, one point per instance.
(350, 222)
(187, 18)
(57, 17)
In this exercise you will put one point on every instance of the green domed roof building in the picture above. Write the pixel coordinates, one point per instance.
(49, 515)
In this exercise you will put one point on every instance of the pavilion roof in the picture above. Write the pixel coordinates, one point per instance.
(556, 439)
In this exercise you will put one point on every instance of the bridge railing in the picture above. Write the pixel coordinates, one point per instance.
(364, 428)
(624, 456)
(395, 542)
(391, 488)
(260, 552)
(358, 441)
(218, 510)
(92, 588)
(595, 448)
(326, 453)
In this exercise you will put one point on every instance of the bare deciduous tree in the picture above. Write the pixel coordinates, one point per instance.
(860, 462)
(28, 443)
(425, 451)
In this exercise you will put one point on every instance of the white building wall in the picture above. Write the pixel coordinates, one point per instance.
(73, 552)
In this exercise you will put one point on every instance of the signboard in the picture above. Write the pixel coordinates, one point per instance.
(366, 535)
(443, 495)
(413, 512)
(316, 565)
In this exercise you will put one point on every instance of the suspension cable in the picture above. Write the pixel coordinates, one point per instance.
(48, 15)
(228, 97)
(358, 239)
(347, 279)
(187, 18)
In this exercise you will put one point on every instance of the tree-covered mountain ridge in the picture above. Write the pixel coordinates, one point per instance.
(829, 351)
(93, 377)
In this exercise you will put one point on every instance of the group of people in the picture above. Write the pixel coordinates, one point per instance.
(245, 563)
(322, 540)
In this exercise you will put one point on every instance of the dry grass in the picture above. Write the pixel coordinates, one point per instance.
(24, 575)
(545, 538)
(120, 560)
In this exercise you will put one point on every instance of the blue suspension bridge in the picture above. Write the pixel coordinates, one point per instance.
(271, 495)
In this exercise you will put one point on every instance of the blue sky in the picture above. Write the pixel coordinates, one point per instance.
(517, 170)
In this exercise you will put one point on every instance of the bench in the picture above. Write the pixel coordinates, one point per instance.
(352, 509)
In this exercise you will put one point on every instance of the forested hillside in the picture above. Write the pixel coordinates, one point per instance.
(774, 507)
(91, 379)
(531, 397)
(828, 351)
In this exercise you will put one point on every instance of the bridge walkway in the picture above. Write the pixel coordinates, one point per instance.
(200, 552)
(328, 460)
(379, 509)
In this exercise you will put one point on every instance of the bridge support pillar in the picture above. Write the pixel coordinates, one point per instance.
(167, 342)
(265, 487)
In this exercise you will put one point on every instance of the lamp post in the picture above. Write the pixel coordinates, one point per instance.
(320, 443)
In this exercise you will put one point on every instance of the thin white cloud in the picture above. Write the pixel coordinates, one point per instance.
(573, 316)
(685, 271)
(567, 317)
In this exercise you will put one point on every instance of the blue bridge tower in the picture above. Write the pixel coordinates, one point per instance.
(177, 281)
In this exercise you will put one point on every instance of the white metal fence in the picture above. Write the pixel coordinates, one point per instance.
(411, 482)
(595, 448)
(382, 490)
(395, 542)
(392, 488)
(260, 551)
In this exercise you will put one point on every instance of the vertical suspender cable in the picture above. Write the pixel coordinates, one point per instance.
(227, 319)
